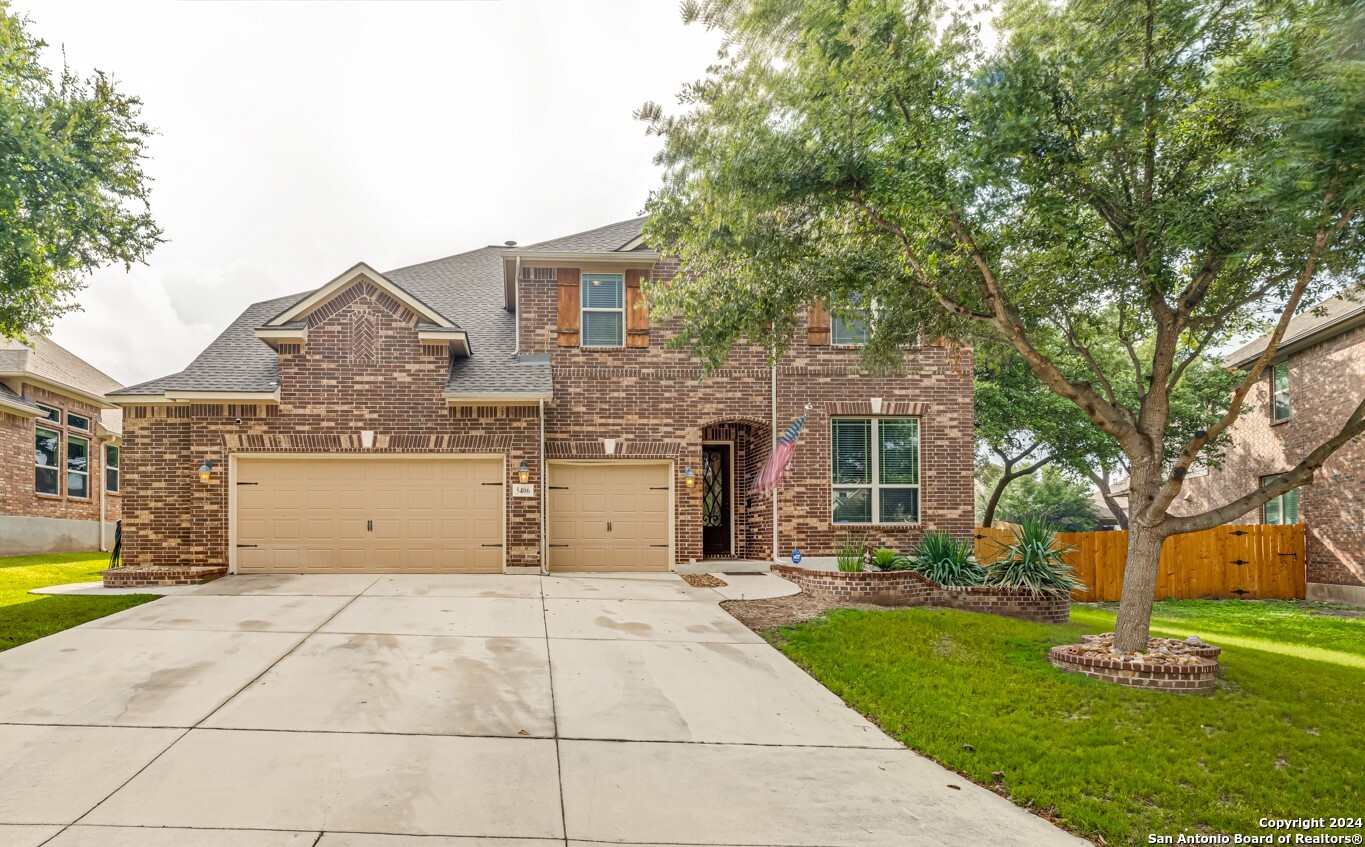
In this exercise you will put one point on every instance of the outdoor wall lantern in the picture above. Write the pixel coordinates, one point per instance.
(524, 472)
(206, 470)
(689, 478)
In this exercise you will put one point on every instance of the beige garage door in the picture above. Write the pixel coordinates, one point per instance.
(369, 515)
(608, 516)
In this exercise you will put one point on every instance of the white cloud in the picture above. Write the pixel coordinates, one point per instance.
(296, 139)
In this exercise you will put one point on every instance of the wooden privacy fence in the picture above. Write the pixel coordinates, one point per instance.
(1253, 562)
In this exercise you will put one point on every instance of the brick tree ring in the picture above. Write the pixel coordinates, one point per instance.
(1188, 666)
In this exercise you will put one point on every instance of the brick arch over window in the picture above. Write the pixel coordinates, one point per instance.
(752, 440)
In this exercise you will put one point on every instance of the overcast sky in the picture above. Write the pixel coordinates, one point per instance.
(298, 138)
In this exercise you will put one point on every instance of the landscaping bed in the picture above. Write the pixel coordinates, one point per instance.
(1276, 737)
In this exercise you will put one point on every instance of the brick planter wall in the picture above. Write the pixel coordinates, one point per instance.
(1194, 678)
(907, 588)
(135, 577)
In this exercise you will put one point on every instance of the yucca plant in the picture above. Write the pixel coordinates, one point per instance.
(946, 560)
(1034, 561)
(850, 554)
(887, 559)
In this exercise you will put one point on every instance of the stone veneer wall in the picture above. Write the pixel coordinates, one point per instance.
(907, 588)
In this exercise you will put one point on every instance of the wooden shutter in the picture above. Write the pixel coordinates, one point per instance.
(568, 306)
(817, 324)
(637, 311)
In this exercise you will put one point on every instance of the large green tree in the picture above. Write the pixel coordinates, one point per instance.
(1053, 496)
(73, 196)
(1169, 174)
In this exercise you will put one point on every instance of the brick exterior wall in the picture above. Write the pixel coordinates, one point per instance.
(18, 495)
(907, 588)
(145, 577)
(362, 368)
(1324, 387)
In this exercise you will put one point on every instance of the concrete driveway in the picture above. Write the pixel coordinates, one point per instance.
(454, 711)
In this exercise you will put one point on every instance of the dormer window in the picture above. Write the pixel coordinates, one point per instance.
(603, 301)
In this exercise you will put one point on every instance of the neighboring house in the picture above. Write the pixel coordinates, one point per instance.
(405, 421)
(1314, 382)
(60, 438)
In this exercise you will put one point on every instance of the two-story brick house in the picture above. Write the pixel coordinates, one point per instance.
(516, 408)
(60, 437)
(1313, 384)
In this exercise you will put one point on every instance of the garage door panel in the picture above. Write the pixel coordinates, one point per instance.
(609, 516)
(313, 514)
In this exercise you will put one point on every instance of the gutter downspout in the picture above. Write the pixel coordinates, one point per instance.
(772, 426)
(544, 476)
(99, 445)
(516, 311)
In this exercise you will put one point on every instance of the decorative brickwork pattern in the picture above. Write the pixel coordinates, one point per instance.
(907, 588)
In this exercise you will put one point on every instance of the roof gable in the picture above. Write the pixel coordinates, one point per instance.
(361, 272)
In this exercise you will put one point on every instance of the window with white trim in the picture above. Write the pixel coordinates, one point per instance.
(47, 450)
(77, 467)
(1279, 392)
(853, 329)
(75, 421)
(51, 413)
(603, 310)
(875, 470)
(1283, 509)
(111, 468)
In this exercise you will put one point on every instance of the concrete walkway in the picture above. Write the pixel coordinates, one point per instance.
(455, 711)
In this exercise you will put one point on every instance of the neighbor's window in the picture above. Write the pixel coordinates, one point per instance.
(1283, 509)
(876, 470)
(51, 414)
(853, 330)
(604, 310)
(46, 453)
(1279, 392)
(111, 468)
(77, 466)
(76, 421)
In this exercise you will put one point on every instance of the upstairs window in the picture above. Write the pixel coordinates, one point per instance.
(51, 414)
(603, 310)
(853, 330)
(75, 421)
(1279, 392)
(876, 470)
(1283, 509)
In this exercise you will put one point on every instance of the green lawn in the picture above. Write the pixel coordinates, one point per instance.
(1281, 737)
(24, 616)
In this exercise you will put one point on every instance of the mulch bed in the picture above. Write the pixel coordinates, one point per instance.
(763, 616)
(1160, 651)
(704, 580)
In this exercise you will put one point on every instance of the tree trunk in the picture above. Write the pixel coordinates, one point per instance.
(991, 504)
(1139, 588)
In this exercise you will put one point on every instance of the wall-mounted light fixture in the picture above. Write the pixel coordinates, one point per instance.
(689, 478)
(206, 471)
(524, 472)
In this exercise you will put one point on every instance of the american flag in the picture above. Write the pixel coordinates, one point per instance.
(770, 477)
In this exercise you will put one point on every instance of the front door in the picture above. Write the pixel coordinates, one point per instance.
(716, 510)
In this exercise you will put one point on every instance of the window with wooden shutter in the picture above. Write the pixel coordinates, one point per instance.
(817, 325)
(568, 306)
(637, 311)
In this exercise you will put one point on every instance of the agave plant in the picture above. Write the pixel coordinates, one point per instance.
(851, 552)
(1034, 561)
(946, 560)
(887, 559)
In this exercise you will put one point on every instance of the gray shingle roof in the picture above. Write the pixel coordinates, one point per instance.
(1323, 321)
(605, 239)
(13, 399)
(51, 361)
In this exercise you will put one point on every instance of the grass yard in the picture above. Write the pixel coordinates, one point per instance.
(25, 617)
(1280, 738)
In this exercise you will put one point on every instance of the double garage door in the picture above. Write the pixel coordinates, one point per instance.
(437, 514)
(369, 515)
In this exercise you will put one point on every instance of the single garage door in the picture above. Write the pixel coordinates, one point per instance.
(608, 516)
(369, 515)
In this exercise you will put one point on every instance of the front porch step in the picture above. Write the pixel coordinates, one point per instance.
(724, 566)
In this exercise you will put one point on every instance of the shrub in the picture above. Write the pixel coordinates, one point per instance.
(887, 559)
(850, 555)
(946, 560)
(1033, 561)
